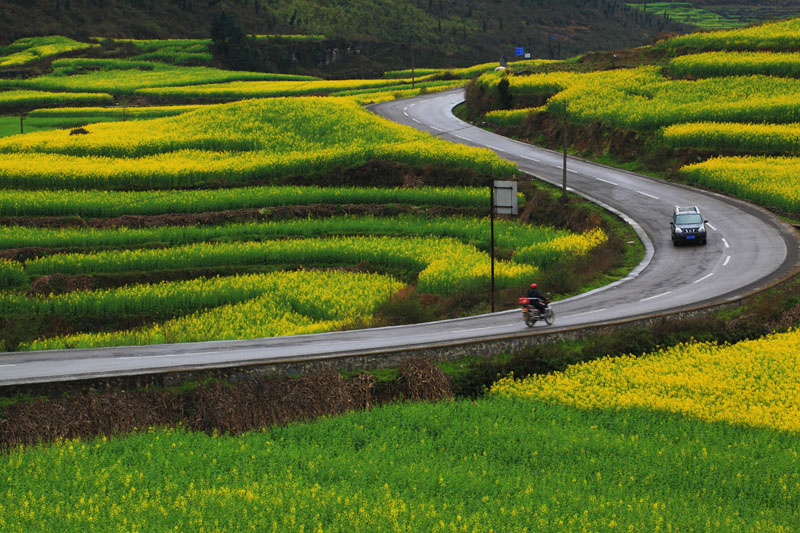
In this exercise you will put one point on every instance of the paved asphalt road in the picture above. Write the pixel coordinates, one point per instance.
(747, 249)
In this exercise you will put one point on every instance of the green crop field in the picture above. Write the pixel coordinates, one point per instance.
(687, 13)
(639, 444)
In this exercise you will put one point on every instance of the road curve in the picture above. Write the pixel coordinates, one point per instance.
(747, 249)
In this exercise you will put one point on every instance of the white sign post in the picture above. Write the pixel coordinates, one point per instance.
(503, 201)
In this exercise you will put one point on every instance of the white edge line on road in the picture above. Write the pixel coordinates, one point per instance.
(648, 195)
(168, 355)
(703, 278)
(415, 120)
(4, 366)
(710, 226)
(606, 181)
(494, 148)
(656, 296)
(573, 171)
(587, 313)
(153, 356)
(478, 329)
(531, 159)
(435, 128)
(725, 243)
(727, 260)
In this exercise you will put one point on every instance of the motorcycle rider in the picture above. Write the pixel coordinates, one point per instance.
(537, 299)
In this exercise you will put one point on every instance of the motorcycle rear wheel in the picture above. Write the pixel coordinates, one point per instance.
(530, 322)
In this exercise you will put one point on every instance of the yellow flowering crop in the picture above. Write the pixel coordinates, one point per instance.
(27, 98)
(236, 90)
(769, 181)
(779, 35)
(30, 49)
(784, 64)
(234, 143)
(734, 137)
(756, 382)
(444, 264)
(281, 303)
(124, 76)
(642, 98)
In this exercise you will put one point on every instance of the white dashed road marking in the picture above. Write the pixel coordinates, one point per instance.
(656, 296)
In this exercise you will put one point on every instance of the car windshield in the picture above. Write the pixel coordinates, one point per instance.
(689, 219)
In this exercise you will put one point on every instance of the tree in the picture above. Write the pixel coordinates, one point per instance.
(230, 43)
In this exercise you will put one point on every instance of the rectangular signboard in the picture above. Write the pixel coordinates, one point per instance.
(505, 198)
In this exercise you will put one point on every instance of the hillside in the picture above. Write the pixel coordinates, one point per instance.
(444, 32)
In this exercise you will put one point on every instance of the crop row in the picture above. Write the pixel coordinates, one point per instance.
(445, 265)
(509, 117)
(716, 64)
(232, 143)
(172, 298)
(239, 307)
(175, 51)
(88, 114)
(238, 90)
(195, 168)
(406, 87)
(655, 102)
(117, 203)
(768, 181)
(687, 13)
(16, 99)
(275, 125)
(30, 49)
(732, 137)
(470, 72)
(121, 76)
(642, 98)
(508, 235)
(531, 88)
(394, 93)
(777, 36)
(71, 117)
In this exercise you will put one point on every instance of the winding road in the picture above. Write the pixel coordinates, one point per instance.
(748, 249)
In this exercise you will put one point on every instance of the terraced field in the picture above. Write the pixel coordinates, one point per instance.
(306, 214)
(730, 94)
(135, 225)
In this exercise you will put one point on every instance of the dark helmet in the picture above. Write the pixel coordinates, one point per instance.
(533, 285)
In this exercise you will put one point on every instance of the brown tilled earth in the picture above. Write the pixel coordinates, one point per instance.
(220, 407)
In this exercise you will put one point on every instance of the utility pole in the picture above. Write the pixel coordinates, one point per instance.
(412, 62)
(564, 176)
(491, 237)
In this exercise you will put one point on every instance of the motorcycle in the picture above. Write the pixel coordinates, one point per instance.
(531, 315)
